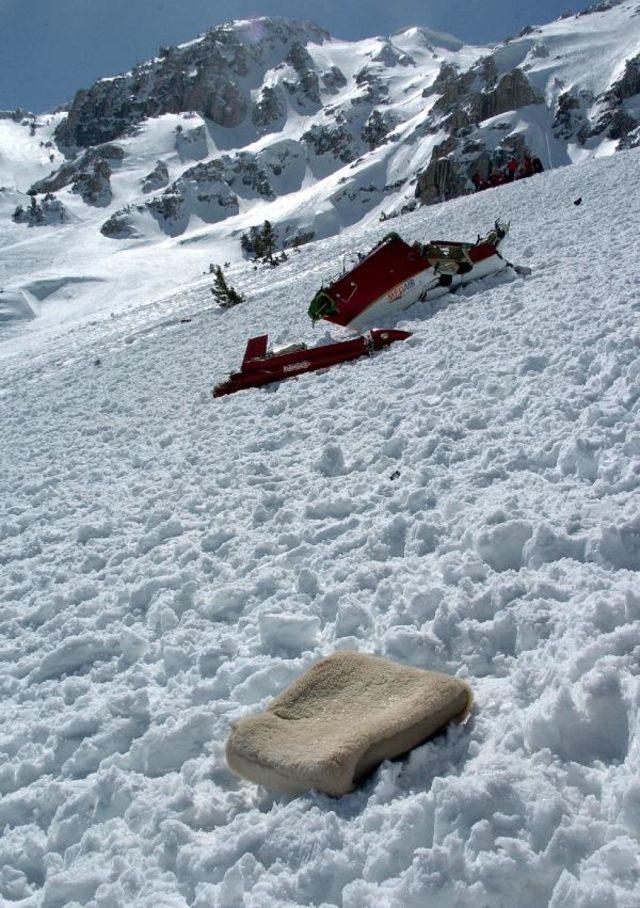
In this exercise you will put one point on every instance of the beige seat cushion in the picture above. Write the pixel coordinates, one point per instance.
(340, 720)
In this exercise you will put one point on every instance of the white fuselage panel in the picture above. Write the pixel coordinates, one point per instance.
(423, 286)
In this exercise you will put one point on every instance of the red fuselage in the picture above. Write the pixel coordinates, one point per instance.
(260, 368)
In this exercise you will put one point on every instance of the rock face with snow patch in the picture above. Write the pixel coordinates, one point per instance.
(511, 91)
(466, 100)
(201, 191)
(120, 225)
(213, 76)
(211, 189)
(333, 79)
(47, 212)
(378, 126)
(89, 175)
(191, 143)
(157, 178)
(95, 186)
(17, 115)
(337, 141)
(612, 117)
(570, 115)
(243, 172)
(306, 86)
(268, 113)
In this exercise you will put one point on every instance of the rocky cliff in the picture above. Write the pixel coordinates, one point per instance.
(276, 119)
(214, 76)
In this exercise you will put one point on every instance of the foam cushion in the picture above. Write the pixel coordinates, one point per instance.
(340, 720)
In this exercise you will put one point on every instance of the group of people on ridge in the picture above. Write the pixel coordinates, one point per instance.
(515, 170)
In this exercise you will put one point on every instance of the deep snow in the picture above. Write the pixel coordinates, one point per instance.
(466, 501)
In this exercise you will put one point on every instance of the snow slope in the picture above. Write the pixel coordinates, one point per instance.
(465, 501)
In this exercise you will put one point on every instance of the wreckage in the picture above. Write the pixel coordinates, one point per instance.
(392, 277)
(395, 275)
(262, 366)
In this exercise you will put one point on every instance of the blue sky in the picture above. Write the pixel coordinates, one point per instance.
(50, 48)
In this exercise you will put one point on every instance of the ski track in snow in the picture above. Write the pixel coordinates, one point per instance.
(466, 501)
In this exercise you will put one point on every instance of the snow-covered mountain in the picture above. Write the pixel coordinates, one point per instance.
(149, 176)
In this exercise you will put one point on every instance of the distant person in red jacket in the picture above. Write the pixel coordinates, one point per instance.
(479, 182)
(512, 167)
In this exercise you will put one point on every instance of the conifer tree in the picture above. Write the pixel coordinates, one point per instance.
(269, 239)
(261, 243)
(225, 296)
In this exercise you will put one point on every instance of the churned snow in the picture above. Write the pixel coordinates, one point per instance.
(466, 501)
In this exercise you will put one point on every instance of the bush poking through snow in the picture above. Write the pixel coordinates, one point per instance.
(225, 296)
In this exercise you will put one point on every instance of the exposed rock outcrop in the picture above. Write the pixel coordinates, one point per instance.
(119, 226)
(17, 115)
(243, 169)
(629, 83)
(480, 93)
(269, 110)
(612, 118)
(467, 100)
(46, 212)
(374, 89)
(455, 161)
(378, 126)
(570, 118)
(213, 76)
(211, 189)
(307, 84)
(513, 90)
(333, 79)
(200, 191)
(89, 174)
(158, 178)
(451, 85)
(442, 180)
(94, 186)
(390, 55)
(191, 143)
(336, 140)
